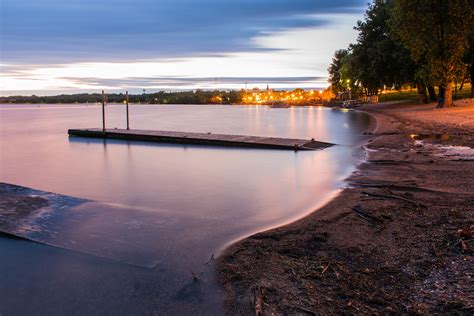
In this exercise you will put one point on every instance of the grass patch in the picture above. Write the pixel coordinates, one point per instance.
(407, 95)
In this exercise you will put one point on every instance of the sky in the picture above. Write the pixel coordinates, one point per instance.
(51, 47)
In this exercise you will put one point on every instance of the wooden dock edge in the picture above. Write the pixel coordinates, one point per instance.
(190, 140)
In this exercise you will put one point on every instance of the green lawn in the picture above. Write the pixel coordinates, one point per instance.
(413, 95)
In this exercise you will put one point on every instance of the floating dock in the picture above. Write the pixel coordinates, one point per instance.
(208, 139)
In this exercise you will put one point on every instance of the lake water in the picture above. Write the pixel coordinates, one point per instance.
(170, 206)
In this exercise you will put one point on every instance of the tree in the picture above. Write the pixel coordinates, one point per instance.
(469, 60)
(336, 71)
(379, 60)
(436, 32)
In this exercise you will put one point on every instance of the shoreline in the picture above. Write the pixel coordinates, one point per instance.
(391, 242)
(369, 130)
(400, 232)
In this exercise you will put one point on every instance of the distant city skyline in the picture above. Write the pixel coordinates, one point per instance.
(52, 47)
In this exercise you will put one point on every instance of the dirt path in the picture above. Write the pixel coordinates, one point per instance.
(399, 240)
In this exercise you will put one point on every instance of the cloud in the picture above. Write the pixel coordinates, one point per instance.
(157, 81)
(66, 46)
(63, 31)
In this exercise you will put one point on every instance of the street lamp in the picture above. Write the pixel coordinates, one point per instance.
(349, 88)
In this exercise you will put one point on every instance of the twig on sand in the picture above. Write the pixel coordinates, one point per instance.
(331, 265)
(396, 197)
(438, 253)
(210, 260)
(196, 277)
(350, 304)
(326, 268)
(304, 310)
(463, 245)
(259, 300)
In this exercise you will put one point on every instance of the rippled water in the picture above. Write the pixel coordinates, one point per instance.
(173, 205)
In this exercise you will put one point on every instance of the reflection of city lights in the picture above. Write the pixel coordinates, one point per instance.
(298, 96)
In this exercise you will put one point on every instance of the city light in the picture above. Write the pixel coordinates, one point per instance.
(285, 97)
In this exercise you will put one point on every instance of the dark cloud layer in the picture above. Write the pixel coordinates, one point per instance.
(147, 82)
(54, 31)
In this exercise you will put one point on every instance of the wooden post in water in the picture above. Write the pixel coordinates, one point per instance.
(103, 111)
(126, 102)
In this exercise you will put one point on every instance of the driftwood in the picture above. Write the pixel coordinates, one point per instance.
(389, 162)
(396, 197)
(396, 187)
(366, 216)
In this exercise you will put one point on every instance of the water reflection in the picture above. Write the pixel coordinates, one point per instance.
(168, 204)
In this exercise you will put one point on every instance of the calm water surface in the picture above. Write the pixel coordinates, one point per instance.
(164, 209)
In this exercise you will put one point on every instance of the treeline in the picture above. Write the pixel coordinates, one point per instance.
(422, 43)
(162, 97)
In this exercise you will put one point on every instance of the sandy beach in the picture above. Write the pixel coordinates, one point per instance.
(398, 239)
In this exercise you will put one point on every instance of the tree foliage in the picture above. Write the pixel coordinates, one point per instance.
(436, 32)
(421, 42)
(336, 71)
(378, 59)
(162, 97)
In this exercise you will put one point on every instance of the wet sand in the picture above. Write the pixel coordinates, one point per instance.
(397, 240)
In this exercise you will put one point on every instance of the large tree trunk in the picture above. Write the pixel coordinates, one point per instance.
(446, 96)
(472, 81)
(462, 84)
(432, 93)
(422, 97)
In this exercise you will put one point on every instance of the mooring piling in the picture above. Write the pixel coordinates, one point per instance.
(128, 118)
(103, 111)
